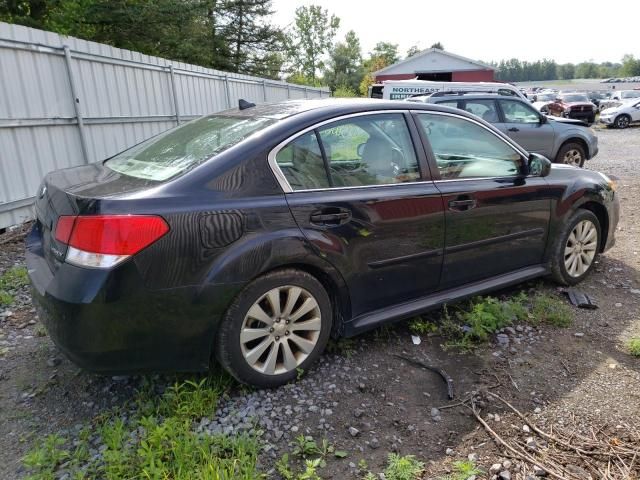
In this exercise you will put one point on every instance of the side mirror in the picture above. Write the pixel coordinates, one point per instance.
(543, 120)
(539, 165)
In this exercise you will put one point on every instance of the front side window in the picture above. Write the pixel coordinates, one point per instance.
(464, 149)
(184, 147)
(517, 112)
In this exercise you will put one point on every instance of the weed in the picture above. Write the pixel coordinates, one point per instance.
(633, 346)
(421, 326)
(299, 373)
(46, 457)
(550, 309)
(305, 446)
(362, 465)
(462, 470)
(12, 279)
(403, 468)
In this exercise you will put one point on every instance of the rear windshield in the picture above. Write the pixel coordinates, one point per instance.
(184, 147)
(630, 94)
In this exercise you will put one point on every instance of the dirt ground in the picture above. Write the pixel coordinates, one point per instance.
(580, 379)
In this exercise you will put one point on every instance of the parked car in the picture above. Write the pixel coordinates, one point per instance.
(542, 101)
(618, 96)
(254, 234)
(401, 89)
(596, 97)
(622, 115)
(573, 105)
(559, 139)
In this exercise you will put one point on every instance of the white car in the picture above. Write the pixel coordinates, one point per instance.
(618, 96)
(622, 115)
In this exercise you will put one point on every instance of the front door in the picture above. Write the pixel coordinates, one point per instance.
(527, 127)
(358, 195)
(497, 219)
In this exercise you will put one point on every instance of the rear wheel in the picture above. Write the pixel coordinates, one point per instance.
(571, 154)
(279, 323)
(622, 121)
(576, 249)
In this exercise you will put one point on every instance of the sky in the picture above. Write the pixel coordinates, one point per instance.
(563, 30)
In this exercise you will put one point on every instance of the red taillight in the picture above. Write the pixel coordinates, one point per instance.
(110, 234)
(64, 227)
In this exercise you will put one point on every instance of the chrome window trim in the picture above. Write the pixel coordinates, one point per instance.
(508, 141)
(282, 179)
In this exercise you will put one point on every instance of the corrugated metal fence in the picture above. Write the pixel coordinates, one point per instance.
(66, 101)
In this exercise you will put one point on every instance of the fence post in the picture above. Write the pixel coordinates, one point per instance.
(264, 89)
(174, 94)
(76, 104)
(288, 92)
(226, 89)
(306, 94)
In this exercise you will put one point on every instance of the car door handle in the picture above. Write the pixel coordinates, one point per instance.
(514, 129)
(330, 217)
(462, 205)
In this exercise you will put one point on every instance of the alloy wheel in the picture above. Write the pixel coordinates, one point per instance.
(573, 157)
(622, 122)
(580, 249)
(280, 330)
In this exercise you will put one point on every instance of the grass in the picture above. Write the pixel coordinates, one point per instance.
(156, 441)
(466, 325)
(12, 279)
(633, 346)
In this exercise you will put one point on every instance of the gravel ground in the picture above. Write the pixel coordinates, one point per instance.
(362, 398)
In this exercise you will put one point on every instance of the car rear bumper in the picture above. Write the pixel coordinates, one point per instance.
(107, 321)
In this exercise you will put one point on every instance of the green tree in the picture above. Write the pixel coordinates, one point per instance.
(630, 66)
(250, 38)
(413, 50)
(371, 65)
(345, 64)
(437, 45)
(587, 70)
(387, 51)
(310, 39)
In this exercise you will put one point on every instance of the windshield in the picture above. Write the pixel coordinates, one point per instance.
(575, 98)
(184, 147)
(630, 94)
(546, 97)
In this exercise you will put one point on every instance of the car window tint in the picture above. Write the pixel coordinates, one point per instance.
(449, 103)
(301, 163)
(464, 149)
(369, 150)
(485, 109)
(517, 112)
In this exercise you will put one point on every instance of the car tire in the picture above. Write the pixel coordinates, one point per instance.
(622, 121)
(575, 251)
(571, 154)
(256, 342)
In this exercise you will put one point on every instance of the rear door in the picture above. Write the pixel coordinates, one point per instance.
(526, 127)
(358, 189)
(497, 219)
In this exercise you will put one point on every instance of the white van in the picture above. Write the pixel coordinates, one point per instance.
(401, 89)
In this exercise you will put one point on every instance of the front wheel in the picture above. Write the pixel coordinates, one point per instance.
(622, 121)
(278, 324)
(576, 249)
(571, 154)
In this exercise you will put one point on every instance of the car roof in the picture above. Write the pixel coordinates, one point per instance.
(330, 106)
(477, 96)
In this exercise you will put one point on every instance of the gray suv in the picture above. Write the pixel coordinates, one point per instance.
(562, 140)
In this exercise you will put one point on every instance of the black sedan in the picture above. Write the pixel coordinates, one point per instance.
(255, 234)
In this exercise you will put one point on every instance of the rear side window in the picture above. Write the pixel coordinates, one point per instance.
(302, 164)
(360, 151)
(485, 109)
(464, 149)
(184, 147)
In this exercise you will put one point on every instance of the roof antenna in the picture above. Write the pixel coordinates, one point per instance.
(243, 104)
